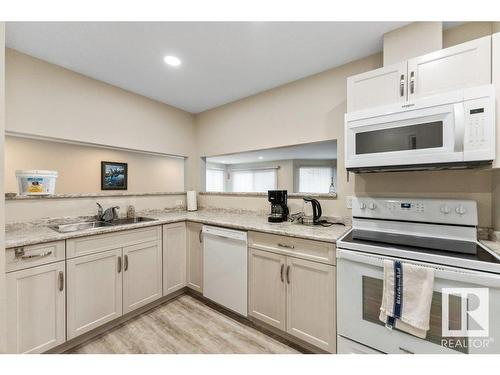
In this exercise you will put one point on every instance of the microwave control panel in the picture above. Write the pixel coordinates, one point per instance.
(476, 124)
(479, 129)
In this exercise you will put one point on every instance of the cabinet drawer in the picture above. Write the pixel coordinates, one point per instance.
(102, 242)
(18, 258)
(317, 251)
(346, 346)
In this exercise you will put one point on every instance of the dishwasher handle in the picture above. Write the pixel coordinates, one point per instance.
(225, 233)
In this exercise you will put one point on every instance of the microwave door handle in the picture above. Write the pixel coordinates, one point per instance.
(459, 129)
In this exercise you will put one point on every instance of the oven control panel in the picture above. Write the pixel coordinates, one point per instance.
(442, 211)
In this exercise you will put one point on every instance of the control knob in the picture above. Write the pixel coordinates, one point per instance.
(372, 206)
(362, 205)
(445, 209)
(461, 210)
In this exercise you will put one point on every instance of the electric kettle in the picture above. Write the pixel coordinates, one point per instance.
(312, 211)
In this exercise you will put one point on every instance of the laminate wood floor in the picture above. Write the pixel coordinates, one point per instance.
(184, 325)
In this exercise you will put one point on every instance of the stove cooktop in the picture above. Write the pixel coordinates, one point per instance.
(456, 253)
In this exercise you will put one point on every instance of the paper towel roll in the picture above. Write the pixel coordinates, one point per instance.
(191, 201)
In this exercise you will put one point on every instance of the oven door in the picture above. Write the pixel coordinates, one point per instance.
(415, 136)
(359, 295)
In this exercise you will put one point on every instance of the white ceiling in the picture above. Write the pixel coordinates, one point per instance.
(318, 150)
(221, 61)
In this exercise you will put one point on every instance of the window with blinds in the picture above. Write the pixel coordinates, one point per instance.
(254, 180)
(315, 179)
(215, 180)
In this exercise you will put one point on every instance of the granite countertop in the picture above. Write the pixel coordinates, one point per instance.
(22, 234)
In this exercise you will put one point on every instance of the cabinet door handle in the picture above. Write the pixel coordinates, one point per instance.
(126, 263)
(200, 236)
(288, 274)
(119, 264)
(402, 85)
(281, 273)
(412, 82)
(19, 253)
(61, 281)
(286, 246)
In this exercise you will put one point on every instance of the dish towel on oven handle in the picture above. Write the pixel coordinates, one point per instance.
(407, 297)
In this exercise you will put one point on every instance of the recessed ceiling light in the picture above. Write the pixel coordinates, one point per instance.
(172, 60)
(261, 157)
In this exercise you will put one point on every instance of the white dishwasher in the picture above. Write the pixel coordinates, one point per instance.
(225, 267)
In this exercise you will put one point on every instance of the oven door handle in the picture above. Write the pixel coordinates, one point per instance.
(482, 279)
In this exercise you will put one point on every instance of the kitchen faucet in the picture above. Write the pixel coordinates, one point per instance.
(107, 215)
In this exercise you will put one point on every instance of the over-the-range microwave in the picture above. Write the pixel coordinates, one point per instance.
(451, 130)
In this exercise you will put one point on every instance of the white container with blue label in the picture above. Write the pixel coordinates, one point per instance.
(36, 182)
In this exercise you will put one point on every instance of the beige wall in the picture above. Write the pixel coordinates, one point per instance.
(465, 32)
(35, 209)
(46, 100)
(308, 110)
(64, 104)
(2, 231)
(415, 39)
(79, 166)
(495, 188)
(312, 109)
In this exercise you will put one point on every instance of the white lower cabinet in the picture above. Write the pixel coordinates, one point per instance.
(142, 275)
(267, 288)
(36, 308)
(310, 302)
(294, 295)
(194, 261)
(94, 291)
(174, 257)
(110, 275)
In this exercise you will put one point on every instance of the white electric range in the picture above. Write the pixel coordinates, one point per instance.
(436, 233)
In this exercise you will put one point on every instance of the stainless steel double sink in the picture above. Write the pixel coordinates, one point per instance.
(84, 225)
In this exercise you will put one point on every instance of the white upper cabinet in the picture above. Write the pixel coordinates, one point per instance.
(378, 87)
(142, 275)
(36, 309)
(461, 66)
(464, 65)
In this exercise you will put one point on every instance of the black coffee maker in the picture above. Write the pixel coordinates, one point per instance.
(279, 208)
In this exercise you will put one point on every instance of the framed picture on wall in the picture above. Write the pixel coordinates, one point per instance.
(114, 175)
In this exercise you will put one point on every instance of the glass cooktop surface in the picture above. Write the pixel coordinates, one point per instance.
(465, 250)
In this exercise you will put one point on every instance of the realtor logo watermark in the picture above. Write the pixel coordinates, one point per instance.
(474, 317)
(468, 318)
